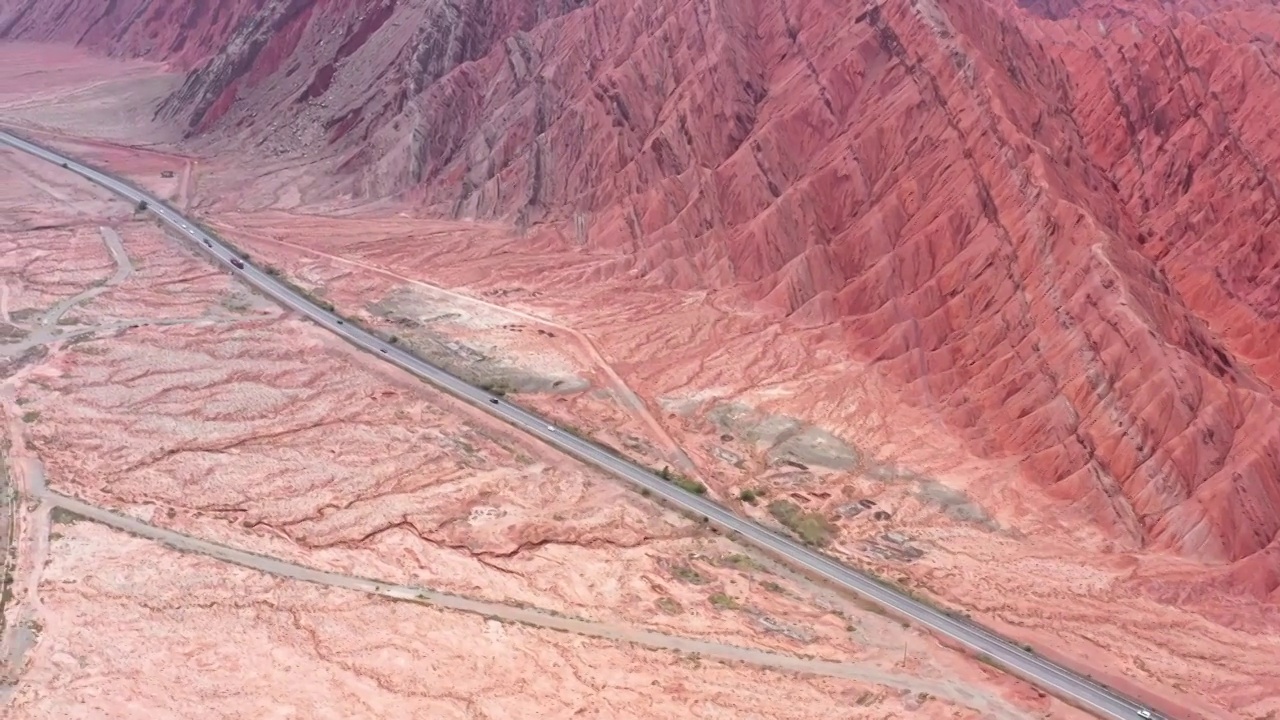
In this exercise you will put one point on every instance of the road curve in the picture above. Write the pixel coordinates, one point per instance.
(1051, 677)
(998, 709)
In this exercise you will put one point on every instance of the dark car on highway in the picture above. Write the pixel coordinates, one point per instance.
(237, 262)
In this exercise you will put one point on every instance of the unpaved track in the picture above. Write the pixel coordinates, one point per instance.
(992, 707)
(31, 547)
(629, 399)
(124, 268)
(33, 496)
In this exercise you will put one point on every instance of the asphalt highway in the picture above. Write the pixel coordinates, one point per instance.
(1051, 677)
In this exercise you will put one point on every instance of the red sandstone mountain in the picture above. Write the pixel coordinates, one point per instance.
(1053, 219)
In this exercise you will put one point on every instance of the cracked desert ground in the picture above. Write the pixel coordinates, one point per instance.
(141, 385)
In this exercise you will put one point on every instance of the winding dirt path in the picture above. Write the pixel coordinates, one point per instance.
(124, 268)
(630, 400)
(35, 504)
(994, 708)
(46, 331)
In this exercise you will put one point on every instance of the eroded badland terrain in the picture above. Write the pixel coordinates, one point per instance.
(406, 556)
(979, 295)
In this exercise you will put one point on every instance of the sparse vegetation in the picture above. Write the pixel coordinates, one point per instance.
(30, 416)
(6, 594)
(738, 561)
(669, 606)
(142, 206)
(690, 485)
(773, 587)
(236, 304)
(682, 481)
(748, 496)
(723, 601)
(576, 431)
(689, 575)
(870, 607)
(813, 528)
(986, 659)
(311, 295)
(62, 516)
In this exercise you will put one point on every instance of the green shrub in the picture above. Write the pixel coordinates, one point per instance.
(684, 482)
(689, 575)
(813, 528)
(724, 602)
(690, 485)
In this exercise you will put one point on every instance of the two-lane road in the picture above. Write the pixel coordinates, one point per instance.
(1053, 678)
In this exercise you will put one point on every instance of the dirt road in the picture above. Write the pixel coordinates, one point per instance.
(509, 613)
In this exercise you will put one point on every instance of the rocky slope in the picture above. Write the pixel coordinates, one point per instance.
(184, 33)
(1050, 220)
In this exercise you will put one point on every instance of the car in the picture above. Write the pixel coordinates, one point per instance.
(493, 400)
(382, 350)
(238, 263)
(551, 428)
(341, 323)
(1146, 714)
